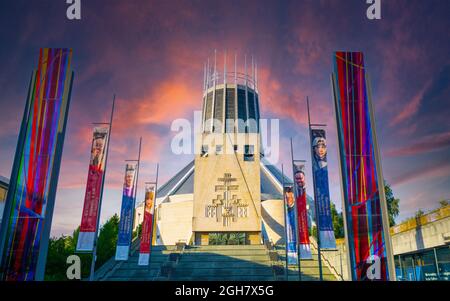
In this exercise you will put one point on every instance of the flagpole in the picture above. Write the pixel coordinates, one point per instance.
(297, 243)
(315, 196)
(285, 223)
(136, 183)
(153, 217)
(381, 191)
(94, 252)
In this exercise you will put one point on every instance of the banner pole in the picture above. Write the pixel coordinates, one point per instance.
(319, 257)
(135, 187)
(14, 174)
(381, 190)
(94, 252)
(297, 237)
(286, 270)
(153, 217)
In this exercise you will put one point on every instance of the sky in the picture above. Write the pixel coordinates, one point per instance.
(151, 54)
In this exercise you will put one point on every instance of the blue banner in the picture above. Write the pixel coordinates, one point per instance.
(321, 189)
(126, 213)
(291, 237)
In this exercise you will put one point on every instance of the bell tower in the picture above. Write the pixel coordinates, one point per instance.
(227, 194)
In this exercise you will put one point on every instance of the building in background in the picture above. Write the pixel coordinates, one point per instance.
(421, 247)
(229, 192)
(4, 183)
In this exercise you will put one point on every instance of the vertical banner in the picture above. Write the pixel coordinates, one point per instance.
(364, 202)
(126, 213)
(36, 166)
(89, 218)
(147, 225)
(321, 189)
(291, 238)
(302, 214)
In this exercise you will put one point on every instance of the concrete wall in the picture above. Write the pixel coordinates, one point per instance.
(422, 237)
(427, 231)
(337, 260)
(247, 190)
(174, 222)
(272, 213)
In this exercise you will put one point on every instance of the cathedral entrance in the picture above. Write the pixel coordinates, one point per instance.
(228, 238)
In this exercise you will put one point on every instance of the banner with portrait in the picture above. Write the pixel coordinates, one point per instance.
(302, 214)
(291, 237)
(91, 210)
(321, 189)
(147, 225)
(126, 213)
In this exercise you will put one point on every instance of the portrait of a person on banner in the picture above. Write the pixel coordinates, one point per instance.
(300, 181)
(98, 148)
(322, 194)
(320, 152)
(291, 238)
(129, 177)
(302, 215)
(149, 195)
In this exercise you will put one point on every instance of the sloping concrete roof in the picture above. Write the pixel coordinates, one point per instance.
(183, 182)
(4, 181)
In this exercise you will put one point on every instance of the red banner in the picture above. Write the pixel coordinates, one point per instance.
(302, 215)
(147, 225)
(89, 218)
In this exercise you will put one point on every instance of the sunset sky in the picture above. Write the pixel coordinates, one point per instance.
(151, 55)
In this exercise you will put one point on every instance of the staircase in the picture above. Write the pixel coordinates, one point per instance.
(130, 270)
(237, 263)
(309, 268)
(212, 263)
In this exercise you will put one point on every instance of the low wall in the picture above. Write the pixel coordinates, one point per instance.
(427, 231)
(174, 222)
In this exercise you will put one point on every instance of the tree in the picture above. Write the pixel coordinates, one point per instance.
(338, 222)
(392, 207)
(107, 240)
(392, 204)
(419, 213)
(443, 203)
(61, 248)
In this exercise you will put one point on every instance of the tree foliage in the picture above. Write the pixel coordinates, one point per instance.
(338, 222)
(61, 248)
(392, 207)
(392, 204)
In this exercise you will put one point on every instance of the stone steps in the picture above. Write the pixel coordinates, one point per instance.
(215, 263)
(226, 263)
(235, 264)
(226, 278)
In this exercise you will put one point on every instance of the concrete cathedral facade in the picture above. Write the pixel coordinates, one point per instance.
(229, 188)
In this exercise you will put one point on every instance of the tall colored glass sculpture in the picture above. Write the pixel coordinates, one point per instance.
(29, 205)
(365, 210)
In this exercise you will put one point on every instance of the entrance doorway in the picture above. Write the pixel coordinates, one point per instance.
(228, 238)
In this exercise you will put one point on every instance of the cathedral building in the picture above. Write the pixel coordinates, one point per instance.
(229, 192)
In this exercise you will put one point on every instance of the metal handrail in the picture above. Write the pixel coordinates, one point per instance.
(325, 259)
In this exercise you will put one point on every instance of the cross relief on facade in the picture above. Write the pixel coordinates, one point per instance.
(226, 207)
